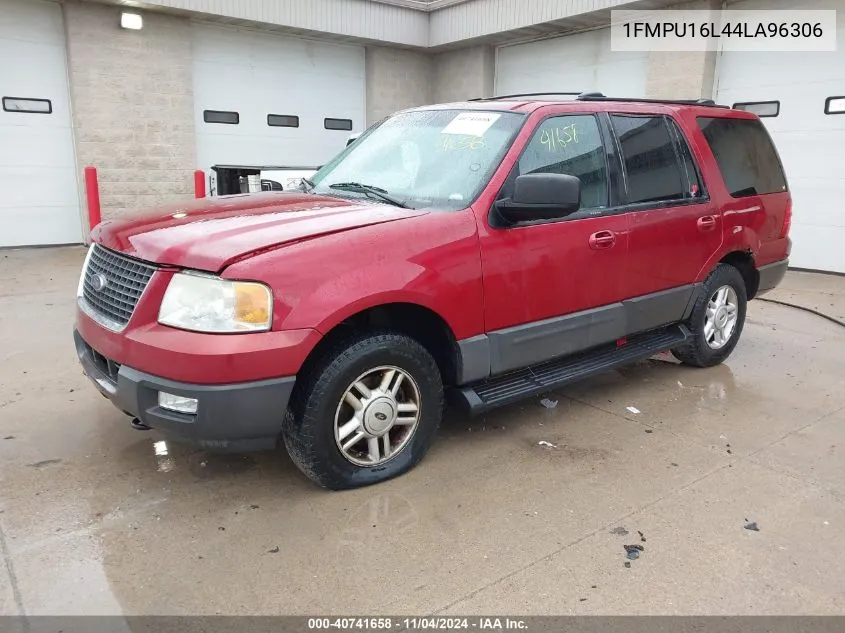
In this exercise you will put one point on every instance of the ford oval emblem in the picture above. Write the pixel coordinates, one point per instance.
(99, 282)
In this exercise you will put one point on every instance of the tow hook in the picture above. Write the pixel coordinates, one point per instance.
(139, 426)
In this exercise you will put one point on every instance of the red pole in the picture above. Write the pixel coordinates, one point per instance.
(199, 183)
(92, 190)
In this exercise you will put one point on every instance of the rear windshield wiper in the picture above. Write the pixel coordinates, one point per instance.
(370, 189)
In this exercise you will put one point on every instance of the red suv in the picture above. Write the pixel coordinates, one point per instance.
(489, 250)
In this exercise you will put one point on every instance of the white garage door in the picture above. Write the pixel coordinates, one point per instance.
(811, 143)
(39, 195)
(241, 77)
(581, 62)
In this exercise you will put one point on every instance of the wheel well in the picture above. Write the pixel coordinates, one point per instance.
(744, 263)
(423, 325)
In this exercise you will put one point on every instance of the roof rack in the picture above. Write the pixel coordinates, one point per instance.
(533, 94)
(598, 96)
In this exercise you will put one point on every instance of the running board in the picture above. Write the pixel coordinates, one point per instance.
(500, 390)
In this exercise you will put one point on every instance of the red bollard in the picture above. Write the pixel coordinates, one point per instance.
(92, 191)
(199, 183)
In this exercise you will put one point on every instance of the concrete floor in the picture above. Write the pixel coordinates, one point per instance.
(100, 519)
(823, 293)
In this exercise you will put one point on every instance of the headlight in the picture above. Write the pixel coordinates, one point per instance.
(210, 304)
(81, 287)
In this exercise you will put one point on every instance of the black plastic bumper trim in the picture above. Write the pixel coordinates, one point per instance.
(770, 276)
(240, 417)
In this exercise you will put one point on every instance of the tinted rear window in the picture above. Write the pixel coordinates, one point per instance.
(747, 159)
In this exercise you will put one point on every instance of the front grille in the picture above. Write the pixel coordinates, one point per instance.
(125, 280)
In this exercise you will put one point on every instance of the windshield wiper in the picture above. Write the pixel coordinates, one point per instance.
(305, 185)
(375, 191)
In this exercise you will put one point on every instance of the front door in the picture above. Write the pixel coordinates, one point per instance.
(554, 287)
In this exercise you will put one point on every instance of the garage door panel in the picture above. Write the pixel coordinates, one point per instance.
(271, 53)
(27, 145)
(256, 74)
(49, 82)
(815, 67)
(622, 78)
(819, 202)
(809, 155)
(561, 53)
(38, 174)
(38, 186)
(36, 226)
(254, 102)
(572, 63)
(23, 23)
(299, 150)
(817, 247)
(571, 80)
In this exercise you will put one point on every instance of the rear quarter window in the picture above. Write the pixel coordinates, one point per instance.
(745, 154)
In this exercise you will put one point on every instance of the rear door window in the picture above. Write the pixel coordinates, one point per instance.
(653, 169)
(745, 154)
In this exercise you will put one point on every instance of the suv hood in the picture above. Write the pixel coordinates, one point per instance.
(210, 234)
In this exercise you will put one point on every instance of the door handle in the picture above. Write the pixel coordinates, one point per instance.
(602, 239)
(706, 223)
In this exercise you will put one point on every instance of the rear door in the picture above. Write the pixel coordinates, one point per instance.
(675, 227)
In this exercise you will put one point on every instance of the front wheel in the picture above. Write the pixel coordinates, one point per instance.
(366, 413)
(717, 319)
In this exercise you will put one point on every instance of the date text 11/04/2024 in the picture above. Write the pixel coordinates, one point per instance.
(729, 29)
(418, 623)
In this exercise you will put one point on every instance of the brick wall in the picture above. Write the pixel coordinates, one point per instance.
(396, 79)
(399, 78)
(683, 74)
(132, 95)
(463, 74)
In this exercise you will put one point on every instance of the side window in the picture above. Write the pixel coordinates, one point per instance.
(570, 145)
(653, 171)
(745, 154)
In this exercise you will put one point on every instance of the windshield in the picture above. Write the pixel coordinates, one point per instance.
(424, 158)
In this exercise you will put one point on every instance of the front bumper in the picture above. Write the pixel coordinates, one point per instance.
(770, 276)
(239, 417)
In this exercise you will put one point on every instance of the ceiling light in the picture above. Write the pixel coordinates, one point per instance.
(132, 21)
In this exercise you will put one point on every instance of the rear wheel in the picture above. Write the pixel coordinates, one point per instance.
(367, 412)
(717, 319)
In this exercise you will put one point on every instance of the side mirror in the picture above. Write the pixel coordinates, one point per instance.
(542, 197)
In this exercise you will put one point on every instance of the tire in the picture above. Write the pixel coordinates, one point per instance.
(704, 348)
(313, 436)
